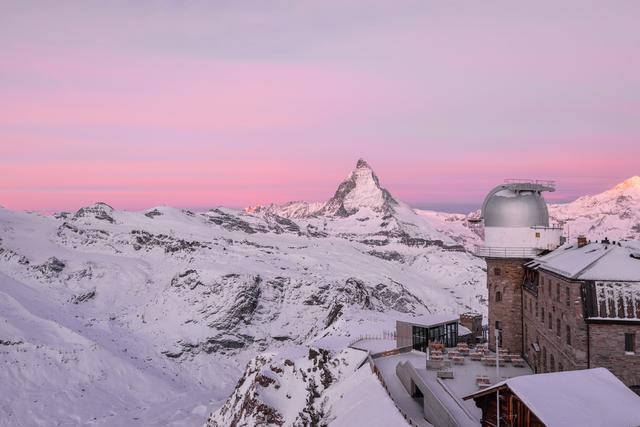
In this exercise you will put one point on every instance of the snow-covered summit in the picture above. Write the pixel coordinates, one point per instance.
(614, 213)
(360, 190)
(631, 183)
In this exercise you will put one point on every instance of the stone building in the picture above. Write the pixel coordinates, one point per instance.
(581, 309)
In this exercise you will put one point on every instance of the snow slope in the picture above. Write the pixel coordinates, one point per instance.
(149, 318)
(111, 317)
(614, 213)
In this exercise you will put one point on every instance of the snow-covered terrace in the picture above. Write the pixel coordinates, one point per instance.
(449, 392)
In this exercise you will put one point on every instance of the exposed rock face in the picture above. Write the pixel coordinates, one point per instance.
(51, 268)
(282, 391)
(83, 297)
(100, 211)
(361, 189)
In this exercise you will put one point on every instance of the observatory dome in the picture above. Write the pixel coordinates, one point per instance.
(507, 206)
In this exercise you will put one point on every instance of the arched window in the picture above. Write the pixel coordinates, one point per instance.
(552, 364)
(498, 296)
(568, 334)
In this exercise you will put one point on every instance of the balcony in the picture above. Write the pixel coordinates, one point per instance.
(500, 252)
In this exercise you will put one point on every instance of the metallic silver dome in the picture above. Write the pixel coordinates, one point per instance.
(515, 205)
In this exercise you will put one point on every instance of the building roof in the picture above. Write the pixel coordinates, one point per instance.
(589, 398)
(594, 261)
(428, 320)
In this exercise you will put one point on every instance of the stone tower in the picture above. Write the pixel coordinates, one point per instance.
(516, 230)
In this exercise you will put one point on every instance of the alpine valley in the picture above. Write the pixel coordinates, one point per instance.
(227, 317)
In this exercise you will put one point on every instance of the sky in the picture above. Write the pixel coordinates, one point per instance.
(200, 104)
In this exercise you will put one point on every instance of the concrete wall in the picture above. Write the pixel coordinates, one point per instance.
(505, 275)
(434, 411)
(404, 334)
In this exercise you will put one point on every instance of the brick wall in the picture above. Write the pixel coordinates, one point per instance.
(567, 307)
(505, 276)
(607, 351)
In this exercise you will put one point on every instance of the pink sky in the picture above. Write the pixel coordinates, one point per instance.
(199, 105)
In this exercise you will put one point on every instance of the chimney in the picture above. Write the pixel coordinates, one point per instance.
(582, 241)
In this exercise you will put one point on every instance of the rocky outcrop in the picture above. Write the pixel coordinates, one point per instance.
(270, 378)
(100, 211)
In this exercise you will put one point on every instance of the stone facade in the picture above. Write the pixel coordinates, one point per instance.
(590, 344)
(607, 351)
(554, 320)
(504, 282)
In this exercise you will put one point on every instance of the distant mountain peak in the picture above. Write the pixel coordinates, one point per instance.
(362, 164)
(633, 182)
(361, 189)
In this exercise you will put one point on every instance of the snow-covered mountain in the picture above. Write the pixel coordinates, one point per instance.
(614, 213)
(140, 318)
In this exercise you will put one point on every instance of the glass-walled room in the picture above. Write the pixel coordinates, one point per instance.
(446, 334)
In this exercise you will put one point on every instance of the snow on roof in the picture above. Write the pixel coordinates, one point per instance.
(590, 397)
(594, 261)
(430, 319)
(463, 330)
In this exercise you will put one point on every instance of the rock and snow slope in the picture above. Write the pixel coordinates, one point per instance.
(614, 213)
(110, 317)
(122, 318)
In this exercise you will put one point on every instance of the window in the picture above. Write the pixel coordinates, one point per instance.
(568, 297)
(552, 363)
(542, 315)
(498, 296)
(550, 322)
(630, 343)
(560, 367)
(542, 286)
(537, 234)
(544, 359)
(558, 291)
(568, 335)
(497, 271)
(549, 284)
(558, 326)
(536, 309)
(526, 333)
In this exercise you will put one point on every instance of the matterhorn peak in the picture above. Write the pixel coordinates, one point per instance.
(633, 182)
(361, 189)
(362, 164)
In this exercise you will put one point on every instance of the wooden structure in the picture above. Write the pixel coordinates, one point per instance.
(513, 412)
(585, 398)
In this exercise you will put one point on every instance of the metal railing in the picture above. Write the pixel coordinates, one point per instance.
(498, 252)
(545, 182)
